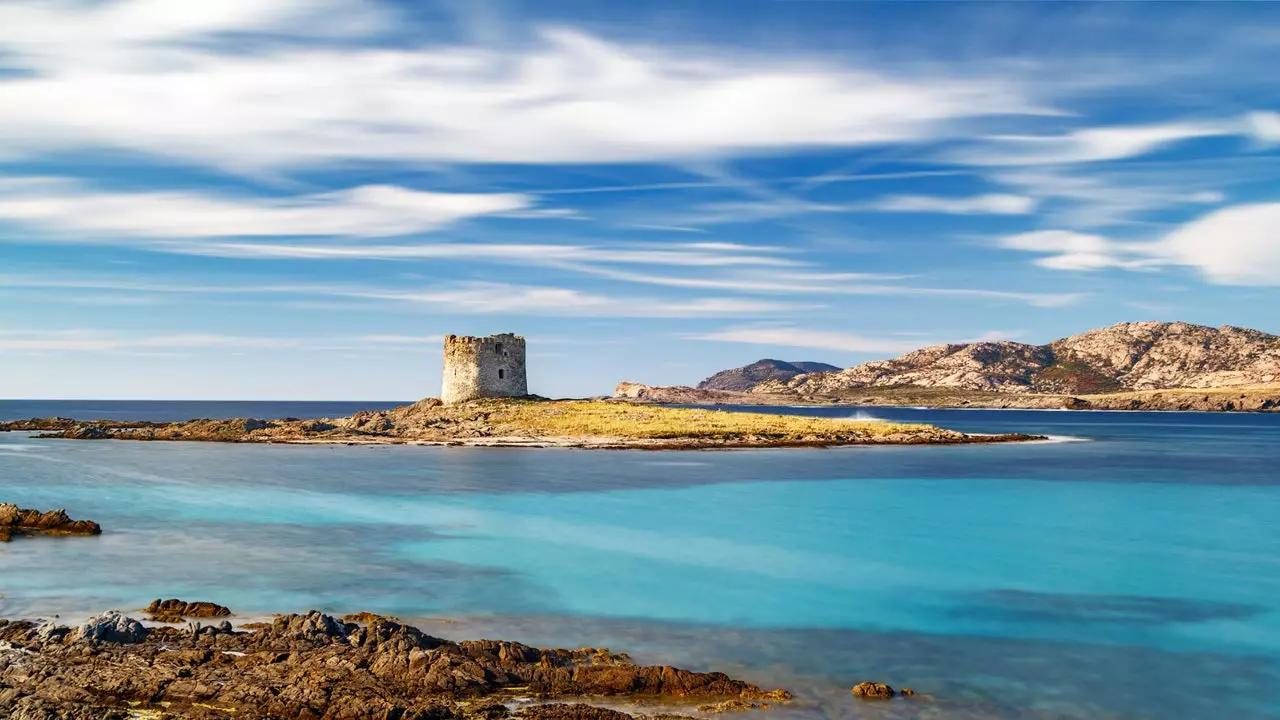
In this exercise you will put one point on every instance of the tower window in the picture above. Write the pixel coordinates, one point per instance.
(497, 348)
(502, 374)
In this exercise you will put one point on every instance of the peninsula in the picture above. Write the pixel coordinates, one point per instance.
(1129, 366)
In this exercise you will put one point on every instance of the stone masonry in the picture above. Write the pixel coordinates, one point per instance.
(483, 367)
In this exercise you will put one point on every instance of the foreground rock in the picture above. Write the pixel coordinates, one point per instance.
(18, 522)
(313, 666)
(602, 424)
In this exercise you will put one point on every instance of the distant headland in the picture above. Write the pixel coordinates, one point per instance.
(1129, 366)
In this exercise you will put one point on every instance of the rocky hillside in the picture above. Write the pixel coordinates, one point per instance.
(748, 376)
(1127, 356)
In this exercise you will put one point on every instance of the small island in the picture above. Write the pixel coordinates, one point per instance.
(485, 402)
(511, 422)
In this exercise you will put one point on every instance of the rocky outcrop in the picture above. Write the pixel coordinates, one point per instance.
(879, 691)
(175, 610)
(748, 376)
(315, 666)
(1123, 357)
(112, 627)
(16, 522)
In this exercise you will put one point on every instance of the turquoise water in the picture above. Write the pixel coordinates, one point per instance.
(1132, 572)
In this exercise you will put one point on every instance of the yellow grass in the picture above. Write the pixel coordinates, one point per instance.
(624, 420)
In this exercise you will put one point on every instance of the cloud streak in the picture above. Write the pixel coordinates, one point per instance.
(808, 338)
(367, 211)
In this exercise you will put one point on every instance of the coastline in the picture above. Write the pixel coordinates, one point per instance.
(359, 667)
(1226, 399)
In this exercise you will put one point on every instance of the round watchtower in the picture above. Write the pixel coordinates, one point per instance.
(483, 367)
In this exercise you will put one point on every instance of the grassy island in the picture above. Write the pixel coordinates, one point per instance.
(530, 422)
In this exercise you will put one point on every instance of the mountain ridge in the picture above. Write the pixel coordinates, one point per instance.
(747, 376)
(1126, 356)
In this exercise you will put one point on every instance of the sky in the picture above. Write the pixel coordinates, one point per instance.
(297, 199)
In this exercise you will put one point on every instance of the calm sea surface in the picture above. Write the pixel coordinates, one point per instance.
(1130, 569)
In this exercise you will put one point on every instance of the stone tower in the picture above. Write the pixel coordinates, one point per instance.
(483, 367)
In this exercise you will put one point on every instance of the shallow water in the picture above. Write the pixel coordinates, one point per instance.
(1132, 574)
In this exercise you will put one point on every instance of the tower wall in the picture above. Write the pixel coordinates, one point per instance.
(483, 367)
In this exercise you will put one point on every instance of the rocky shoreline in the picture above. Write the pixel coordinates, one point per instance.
(1177, 400)
(606, 425)
(314, 666)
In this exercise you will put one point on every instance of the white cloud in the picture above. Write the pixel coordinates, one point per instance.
(1265, 126)
(808, 338)
(992, 204)
(1067, 250)
(371, 210)
(1238, 245)
(139, 75)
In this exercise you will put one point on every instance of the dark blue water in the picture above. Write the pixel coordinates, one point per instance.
(1131, 568)
(181, 410)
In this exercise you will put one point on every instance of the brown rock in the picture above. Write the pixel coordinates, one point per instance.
(313, 666)
(174, 610)
(575, 711)
(18, 521)
(872, 691)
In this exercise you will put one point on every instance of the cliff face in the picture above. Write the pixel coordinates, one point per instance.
(1127, 356)
(743, 378)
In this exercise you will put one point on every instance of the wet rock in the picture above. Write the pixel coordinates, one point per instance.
(174, 610)
(365, 618)
(91, 432)
(574, 711)
(487, 710)
(16, 521)
(112, 627)
(872, 691)
(907, 692)
(735, 705)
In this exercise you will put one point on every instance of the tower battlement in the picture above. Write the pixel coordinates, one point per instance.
(483, 367)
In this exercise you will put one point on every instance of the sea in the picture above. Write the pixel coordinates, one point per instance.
(1128, 567)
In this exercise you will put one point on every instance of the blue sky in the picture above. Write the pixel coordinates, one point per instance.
(289, 199)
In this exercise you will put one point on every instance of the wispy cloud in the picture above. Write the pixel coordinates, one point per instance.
(786, 336)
